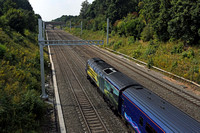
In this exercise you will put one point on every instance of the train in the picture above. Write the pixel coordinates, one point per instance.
(142, 109)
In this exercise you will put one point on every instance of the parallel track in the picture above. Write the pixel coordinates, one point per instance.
(91, 118)
(156, 80)
(176, 90)
(165, 85)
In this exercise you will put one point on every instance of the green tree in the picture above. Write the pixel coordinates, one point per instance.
(85, 5)
(30, 20)
(7, 5)
(150, 10)
(118, 9)
(185, 20)
(16, 20)
(23, 4)
(160, 24)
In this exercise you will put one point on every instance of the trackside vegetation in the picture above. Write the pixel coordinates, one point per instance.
(21, 108)
(171, 56)
(162, 33)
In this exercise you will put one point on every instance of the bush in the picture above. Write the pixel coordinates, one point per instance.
(21, 112)
(112, 33)
(188, 54)
(178, 49)
(121, 28)
(147, 33)
(152, 48)
(150, 63)
(133, 26)
(16, 20)
(111, 43)
(2, 51)
(117, 45)
(136, 53)
(131, 40)
(174, 65)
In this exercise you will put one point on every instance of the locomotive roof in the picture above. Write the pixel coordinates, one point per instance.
(116, 78)
(165, 114)
(120, 80)
(98, 63)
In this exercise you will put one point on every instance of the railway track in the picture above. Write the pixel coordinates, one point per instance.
(90, 51)
(176, 90)
(170, 88)
(193, 101)
(91, 118)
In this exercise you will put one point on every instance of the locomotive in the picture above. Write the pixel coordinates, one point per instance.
(142, 109)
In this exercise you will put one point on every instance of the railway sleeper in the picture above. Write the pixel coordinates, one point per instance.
(99, 131)
(86, 106)
(93, 119)
(89, 114)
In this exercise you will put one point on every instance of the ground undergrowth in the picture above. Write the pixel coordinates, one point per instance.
(21, 108)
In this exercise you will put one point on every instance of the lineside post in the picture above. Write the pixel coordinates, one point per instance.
(70, 25)
(107, 31)
(81, 27)
(41, 44)
(43, 29)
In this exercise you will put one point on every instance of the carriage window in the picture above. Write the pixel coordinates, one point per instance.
(149, 128)
(141, 121)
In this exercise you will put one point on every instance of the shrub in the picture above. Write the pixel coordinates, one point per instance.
(174, 65)
(21, 112)
(117, 45)
(150, 63)
(111, 43)
(112, 33)
(151, 49)
(147, 33)
(16, 20)
(136, 53)
(189, 54)
(131, 40)
(178, 49)
(2, 50)
(121, 28)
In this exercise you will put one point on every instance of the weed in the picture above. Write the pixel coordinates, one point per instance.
(136, 53)
(150, 63)
(131, 40)
(151, 49)
(188, 54)
(177, 49)
(174, 65)
(117, 45)
(111, 43)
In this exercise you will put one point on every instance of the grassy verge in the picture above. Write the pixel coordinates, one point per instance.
(172, 56)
